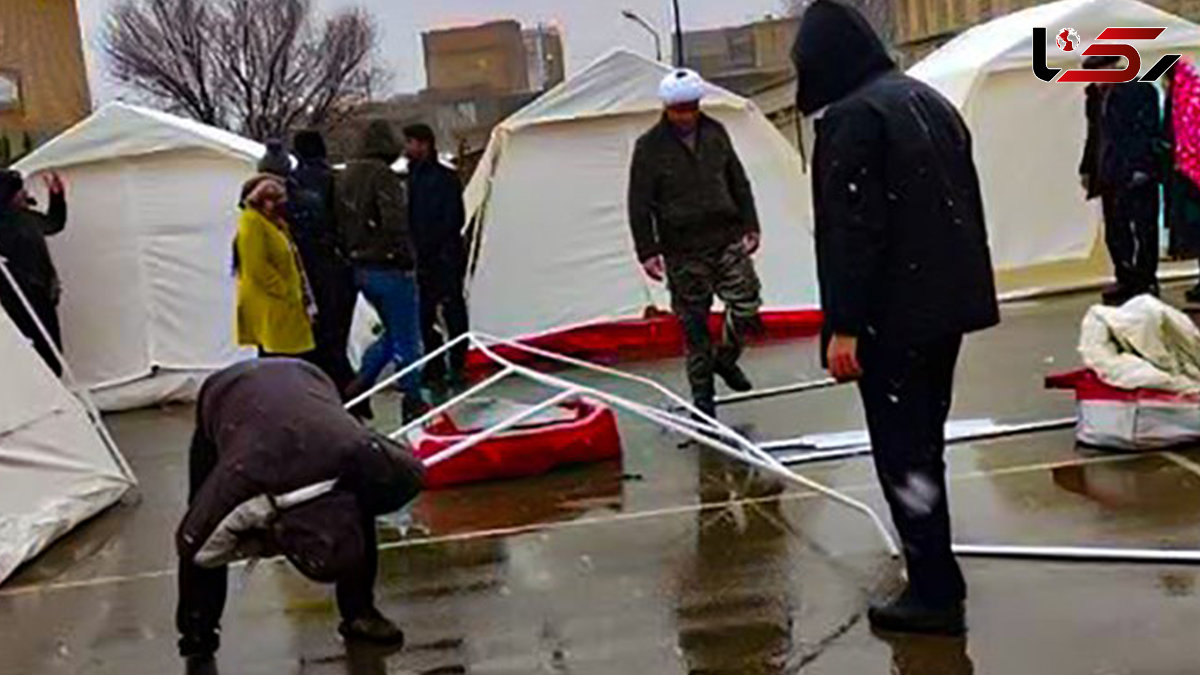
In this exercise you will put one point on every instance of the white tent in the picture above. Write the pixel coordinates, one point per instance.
(148, 305)
(56, 469)
(550, 200)
(1029, 135)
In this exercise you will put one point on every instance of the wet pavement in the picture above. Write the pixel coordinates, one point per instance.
(674, 560)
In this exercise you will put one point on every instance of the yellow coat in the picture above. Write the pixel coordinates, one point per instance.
(270, 303)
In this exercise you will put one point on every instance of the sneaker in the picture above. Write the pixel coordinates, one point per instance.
(735, 378)
(374, 628)
(907, 614)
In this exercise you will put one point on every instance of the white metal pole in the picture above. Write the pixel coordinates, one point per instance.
(470, 442)
(410, 368)
(1080, 554)
(424, 419)
(759, 394)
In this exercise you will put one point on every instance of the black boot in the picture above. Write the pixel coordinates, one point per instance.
(908, 614)
(372, 627)
(412, 408)
(1116, 295)
(200, 665)
(735, 378)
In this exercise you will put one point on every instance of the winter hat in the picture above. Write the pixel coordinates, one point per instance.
(276, 161)
(309, 145)
(681, 86)
(11, 183)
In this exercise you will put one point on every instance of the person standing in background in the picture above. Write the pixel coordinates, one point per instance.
(275, 309)
(23, 233)
(694, 224)
(313, 222)
(1182, 165)
(372, 215)
(1121, 164)
(438, 216)
(905, 272)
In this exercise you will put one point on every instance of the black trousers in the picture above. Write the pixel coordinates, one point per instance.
(47, 312)
(202, 590)
(335, 295)
(443, 291)
(1131, 232)
(907, 394)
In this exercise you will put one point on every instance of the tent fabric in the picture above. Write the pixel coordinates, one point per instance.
(549, 203)
(145, 260)
(1144, 344)
(55, 469)
(1029, 135)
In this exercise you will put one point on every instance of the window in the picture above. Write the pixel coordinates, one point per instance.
(10, 91)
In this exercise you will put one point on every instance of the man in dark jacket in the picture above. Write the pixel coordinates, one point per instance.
(694, 223)
(372, 214)
(277, 466)
(1122, 165)
(23, 233)
(437, 217)
(905, 273)
(313, 221)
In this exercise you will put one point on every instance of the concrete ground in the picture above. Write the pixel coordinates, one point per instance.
(675, 561)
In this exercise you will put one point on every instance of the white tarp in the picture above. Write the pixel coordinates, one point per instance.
(550, 191)
(1029, 135)
(148, 304)
(1144, 344)
(55, 469)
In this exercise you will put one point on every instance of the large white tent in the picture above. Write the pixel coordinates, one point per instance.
(549, 198)
(1029, 135)
(56, 468)
(148, 304)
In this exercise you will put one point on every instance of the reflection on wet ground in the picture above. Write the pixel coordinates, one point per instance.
(673, 560)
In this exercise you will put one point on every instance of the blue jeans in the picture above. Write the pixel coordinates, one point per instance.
(393, 294)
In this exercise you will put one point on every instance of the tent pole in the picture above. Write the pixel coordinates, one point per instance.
(81, 393)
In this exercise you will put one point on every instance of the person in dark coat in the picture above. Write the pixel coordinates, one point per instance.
(438, 216)
(313, 220)
(373, 218)
(905, 272)
(23, 233)
(694, 223)
(277, 466)
(1182, 206)
(1121, 164)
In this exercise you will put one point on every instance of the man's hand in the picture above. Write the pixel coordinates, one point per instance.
(655, 268)
(751, 242)
(843, 358)
(54, 183)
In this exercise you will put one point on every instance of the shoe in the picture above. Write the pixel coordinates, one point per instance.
(413, 408)
(735, 378)
(205, 664)
(374, 628)
(706, 405)
(1117, 295)
(907, 614)
(1193, 295)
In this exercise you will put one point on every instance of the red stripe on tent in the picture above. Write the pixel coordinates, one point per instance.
(1088, 386)
(639, 339)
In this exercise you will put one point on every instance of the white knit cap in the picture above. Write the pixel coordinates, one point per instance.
(681, 86)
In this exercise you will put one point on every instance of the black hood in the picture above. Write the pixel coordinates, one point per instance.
(379, 142)
(836, 52)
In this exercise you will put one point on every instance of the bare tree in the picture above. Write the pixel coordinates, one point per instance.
(257, 67)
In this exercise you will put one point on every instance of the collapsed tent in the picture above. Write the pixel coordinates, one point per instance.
(145, 261)
(553, 250)
(1029, 135)
(56, 469)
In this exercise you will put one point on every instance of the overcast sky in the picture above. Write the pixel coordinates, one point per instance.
(590, 27)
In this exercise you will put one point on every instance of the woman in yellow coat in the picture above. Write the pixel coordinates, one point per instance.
(274, 307)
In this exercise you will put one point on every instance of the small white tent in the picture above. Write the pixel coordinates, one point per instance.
(148, 304)
(1029, 135)
(56, 470)
(549, 199)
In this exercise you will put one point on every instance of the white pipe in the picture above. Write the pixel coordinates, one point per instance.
(404, 372)
(1080, 554)
(772, 392)
(751, 454)
(470, 442)
(81, 393)
(424, 419)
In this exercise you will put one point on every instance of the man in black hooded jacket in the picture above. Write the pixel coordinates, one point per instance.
(905, 273)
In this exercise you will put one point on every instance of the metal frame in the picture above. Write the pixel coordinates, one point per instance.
(699, 427)
(80, 392)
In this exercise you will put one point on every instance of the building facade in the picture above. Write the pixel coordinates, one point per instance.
(489, 56)
(544, 56)
(744, 59)
(43, 78)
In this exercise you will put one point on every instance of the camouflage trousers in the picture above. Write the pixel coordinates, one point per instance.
(694, 279)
